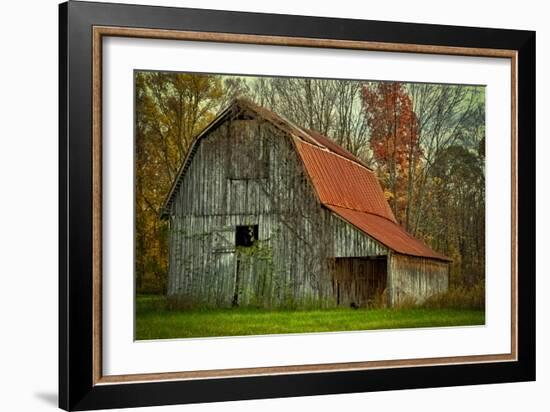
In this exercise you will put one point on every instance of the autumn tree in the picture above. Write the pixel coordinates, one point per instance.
(393, 139)
(171, 109)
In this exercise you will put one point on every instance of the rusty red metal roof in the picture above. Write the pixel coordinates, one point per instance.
(342, 182)
(347, 187)
(388, 233)
(352, 191)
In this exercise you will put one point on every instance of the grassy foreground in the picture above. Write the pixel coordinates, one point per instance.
(153, 321)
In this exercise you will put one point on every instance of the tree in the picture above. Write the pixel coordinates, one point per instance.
(393, 139)
(458, 223)
(171, 109)
(330, 107)
(446, 115)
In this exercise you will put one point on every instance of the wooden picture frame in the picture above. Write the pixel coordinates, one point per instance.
(82, 27)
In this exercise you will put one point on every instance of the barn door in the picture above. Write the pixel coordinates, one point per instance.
(245, 236)
(358, 282)
(223, 262)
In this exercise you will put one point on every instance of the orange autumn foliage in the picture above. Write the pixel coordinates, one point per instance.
(393, 132)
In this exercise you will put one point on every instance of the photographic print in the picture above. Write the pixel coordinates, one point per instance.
(277, 205)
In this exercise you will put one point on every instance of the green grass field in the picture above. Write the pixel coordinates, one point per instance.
(153, 321)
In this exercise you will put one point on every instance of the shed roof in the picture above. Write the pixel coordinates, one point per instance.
(343, 183)
(387, 232)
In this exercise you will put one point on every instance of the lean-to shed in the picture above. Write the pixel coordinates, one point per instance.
(264, 212)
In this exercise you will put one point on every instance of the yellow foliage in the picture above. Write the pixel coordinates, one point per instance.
(171, 109)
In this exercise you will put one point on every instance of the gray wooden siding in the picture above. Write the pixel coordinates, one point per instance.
(347, 241)
(413, 279)
(286, 266)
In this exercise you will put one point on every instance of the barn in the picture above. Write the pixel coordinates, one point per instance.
(265, 213)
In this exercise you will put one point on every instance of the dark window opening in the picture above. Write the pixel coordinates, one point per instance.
(246, 235)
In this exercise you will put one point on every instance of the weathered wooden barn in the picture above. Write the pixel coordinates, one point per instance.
(263, 212)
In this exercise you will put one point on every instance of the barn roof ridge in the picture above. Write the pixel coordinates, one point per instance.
(326, 149)
(307, 135)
